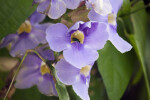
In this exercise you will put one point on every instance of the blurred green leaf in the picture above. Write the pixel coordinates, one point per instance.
(116, 70)
(138, 39)
(12, 14)
(97, 89)
(31, 94)
(125, 9)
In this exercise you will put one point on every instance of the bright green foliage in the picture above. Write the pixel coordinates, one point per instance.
(116, 70)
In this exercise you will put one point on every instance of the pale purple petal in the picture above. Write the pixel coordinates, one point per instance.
(36, 18)
(75, 26)
(46, 53)
(42, 26)
(57, 9)
(72, 4)
(24, 42)
(26, 79)
(8, 39)
(116, 5)
(43, 7)
(81, 88)
(67, 73)
(47, 85)
(80, 57)
(93, 16)
(97, 37)
(118, 42)
(32, 61)
(38, 36)
(56, 37)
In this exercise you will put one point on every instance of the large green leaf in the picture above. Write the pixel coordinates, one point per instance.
(139, 20)
(12, 14)
(116, 70)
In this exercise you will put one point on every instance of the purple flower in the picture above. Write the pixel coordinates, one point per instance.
(56, 8)
(28, 36)
(79, 43)
(116, 40)
(78, 78)
(102, 7)
(35, 72)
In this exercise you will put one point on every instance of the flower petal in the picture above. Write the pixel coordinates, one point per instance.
(81, 89)
(67, 73)
(36, 18)
(57, 9)
(8, 39)
(26, 78)
(80, 57)
(116, 5)
(72, 4)
(43, 6)
(47, 86)
(97, 36)
(56, 37)
(118, 42)
(93, 16)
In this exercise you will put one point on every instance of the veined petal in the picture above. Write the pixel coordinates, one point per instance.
(80, 57)
(118, 42)
(67, 73)
(57, 9)
(81, 89)
(72, 4)
(56, 37)
(98, 35)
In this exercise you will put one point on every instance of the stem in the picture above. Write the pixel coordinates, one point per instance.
(15, 75)
(28, 51)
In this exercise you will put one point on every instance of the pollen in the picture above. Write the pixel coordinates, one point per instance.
(85, 70)
(77, 36)
(112, 19)
(44, 69)
(25, 27)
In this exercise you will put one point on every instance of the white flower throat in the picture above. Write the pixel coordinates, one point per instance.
(77, 36)
(85, 70)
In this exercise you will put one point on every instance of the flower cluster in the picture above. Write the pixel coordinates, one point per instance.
(79, 44)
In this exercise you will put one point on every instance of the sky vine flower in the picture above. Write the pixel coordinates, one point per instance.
(115, 39)
(79, 43)
(28, 36)
(35, 72)
(78, 78)
(56, 8)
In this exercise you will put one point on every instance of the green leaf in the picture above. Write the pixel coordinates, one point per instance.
(31, 94)
(125, 9)
(13, 13)
(139, 20)
(116, 70)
